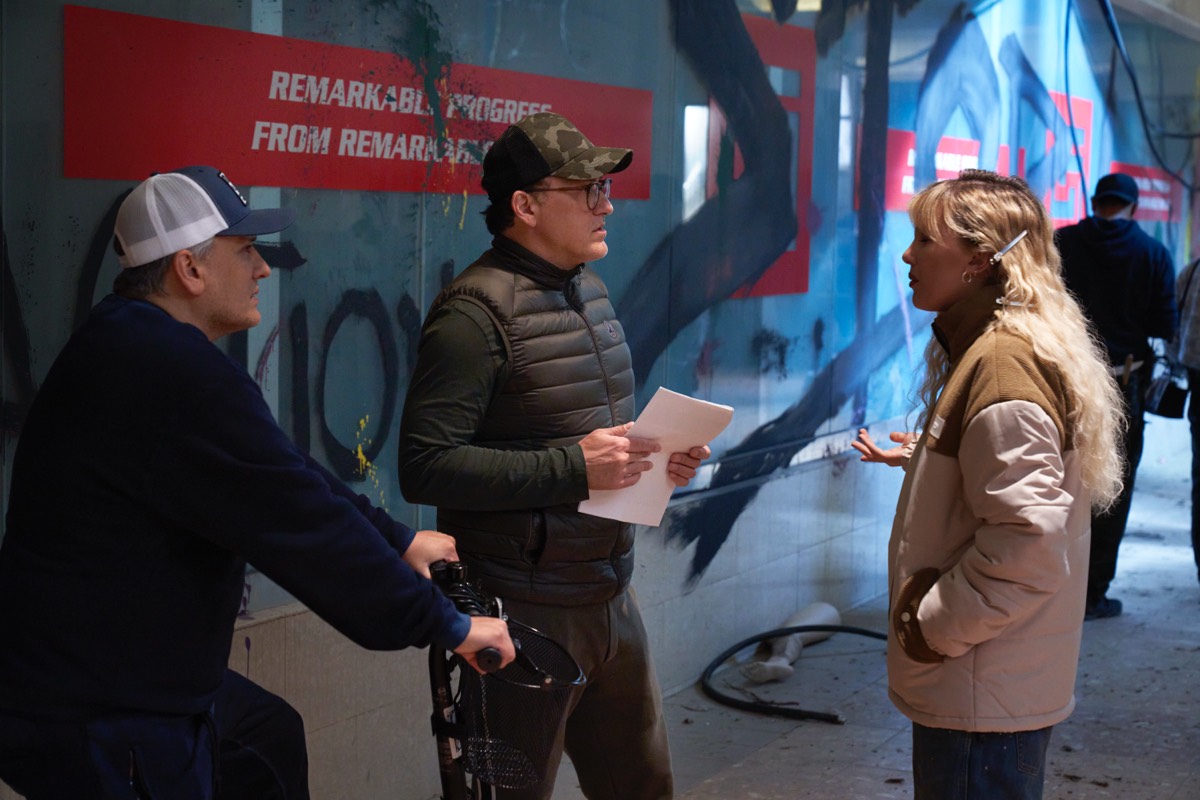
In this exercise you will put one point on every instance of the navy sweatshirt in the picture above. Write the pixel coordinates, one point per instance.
(149, 471)
(1125, 281)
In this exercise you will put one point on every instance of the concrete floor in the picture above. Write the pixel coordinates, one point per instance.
(1135, 733)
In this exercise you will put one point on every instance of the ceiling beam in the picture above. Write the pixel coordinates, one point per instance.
(1180, 16)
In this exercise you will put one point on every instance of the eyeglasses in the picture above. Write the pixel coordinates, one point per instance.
(595, 190)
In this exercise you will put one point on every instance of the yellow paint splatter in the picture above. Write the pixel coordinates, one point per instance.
(462, 218)
(365, 468)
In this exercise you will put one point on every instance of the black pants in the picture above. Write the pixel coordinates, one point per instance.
(614, 731)
(1109, 528)
(249, 747)
(1193, 414)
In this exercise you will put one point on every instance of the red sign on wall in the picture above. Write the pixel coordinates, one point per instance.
(144, 94)
(1071, 193)
(790, 53)
(1160, 195)
(791, 49)
(953, 155)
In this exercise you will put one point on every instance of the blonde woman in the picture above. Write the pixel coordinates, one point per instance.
(988, 558)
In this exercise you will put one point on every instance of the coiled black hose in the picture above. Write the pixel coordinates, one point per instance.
(768, 708)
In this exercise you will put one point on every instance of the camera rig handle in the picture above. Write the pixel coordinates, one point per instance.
(469, 598)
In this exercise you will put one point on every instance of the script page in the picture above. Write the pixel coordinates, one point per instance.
(678, 423)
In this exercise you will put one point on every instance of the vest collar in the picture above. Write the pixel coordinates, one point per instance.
(959, 326)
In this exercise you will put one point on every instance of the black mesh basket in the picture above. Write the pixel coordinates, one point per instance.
(511, 716)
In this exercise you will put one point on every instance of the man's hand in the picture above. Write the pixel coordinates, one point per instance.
(681, 468)
(428, 547)
(614, 460)
(873, 453)
(487, 632)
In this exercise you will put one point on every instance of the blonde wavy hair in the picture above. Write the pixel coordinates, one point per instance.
(987, 211)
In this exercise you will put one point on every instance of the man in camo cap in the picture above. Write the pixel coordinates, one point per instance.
(518, 406)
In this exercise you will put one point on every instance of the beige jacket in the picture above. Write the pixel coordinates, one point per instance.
(994, 512)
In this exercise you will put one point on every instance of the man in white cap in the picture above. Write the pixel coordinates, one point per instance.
(148, 473)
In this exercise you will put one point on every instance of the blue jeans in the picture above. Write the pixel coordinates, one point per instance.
(961, 765)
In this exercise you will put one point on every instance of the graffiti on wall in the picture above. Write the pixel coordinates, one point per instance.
(1049, 134)
(749, 238)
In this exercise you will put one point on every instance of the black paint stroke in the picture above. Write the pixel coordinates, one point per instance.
(102, 238)
(736, 236)
(298, 329)
(1042, 172)
(782, 10)
(280, 255)
(727, 62)
(872, 166)
(872, 151)
(743, 470)
(956, 78)
(16, 354)
(365, 303)
(409, 318)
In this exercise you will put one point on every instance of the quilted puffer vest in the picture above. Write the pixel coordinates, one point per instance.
(570, 373)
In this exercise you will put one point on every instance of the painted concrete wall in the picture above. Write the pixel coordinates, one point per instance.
(703, 271)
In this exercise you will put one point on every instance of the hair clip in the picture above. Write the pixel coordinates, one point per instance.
(996, 258)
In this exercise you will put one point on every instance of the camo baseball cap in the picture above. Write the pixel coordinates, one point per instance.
(542, 145)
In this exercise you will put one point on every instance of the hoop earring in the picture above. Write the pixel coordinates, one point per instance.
(968, 276)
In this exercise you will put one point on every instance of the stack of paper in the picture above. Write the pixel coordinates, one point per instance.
(678, 423)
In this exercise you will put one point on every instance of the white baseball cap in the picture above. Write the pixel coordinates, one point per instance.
(172, 211)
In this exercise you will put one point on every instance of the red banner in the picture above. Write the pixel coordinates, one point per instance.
(790, 55)
(144, 94)
(1160, 196)
(953, 156)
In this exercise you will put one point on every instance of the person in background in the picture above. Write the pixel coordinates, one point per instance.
(148, 473)
(1125, 281)
(1187, 352)
(986, 564)
(518, 407)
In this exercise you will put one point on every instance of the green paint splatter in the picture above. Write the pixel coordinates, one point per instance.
(420, 42)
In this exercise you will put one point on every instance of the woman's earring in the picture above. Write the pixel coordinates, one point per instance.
(968, 276)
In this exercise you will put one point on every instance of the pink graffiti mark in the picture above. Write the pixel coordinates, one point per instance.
(264, 358)
(705, 362)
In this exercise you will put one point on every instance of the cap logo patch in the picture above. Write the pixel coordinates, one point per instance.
(221, 175)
